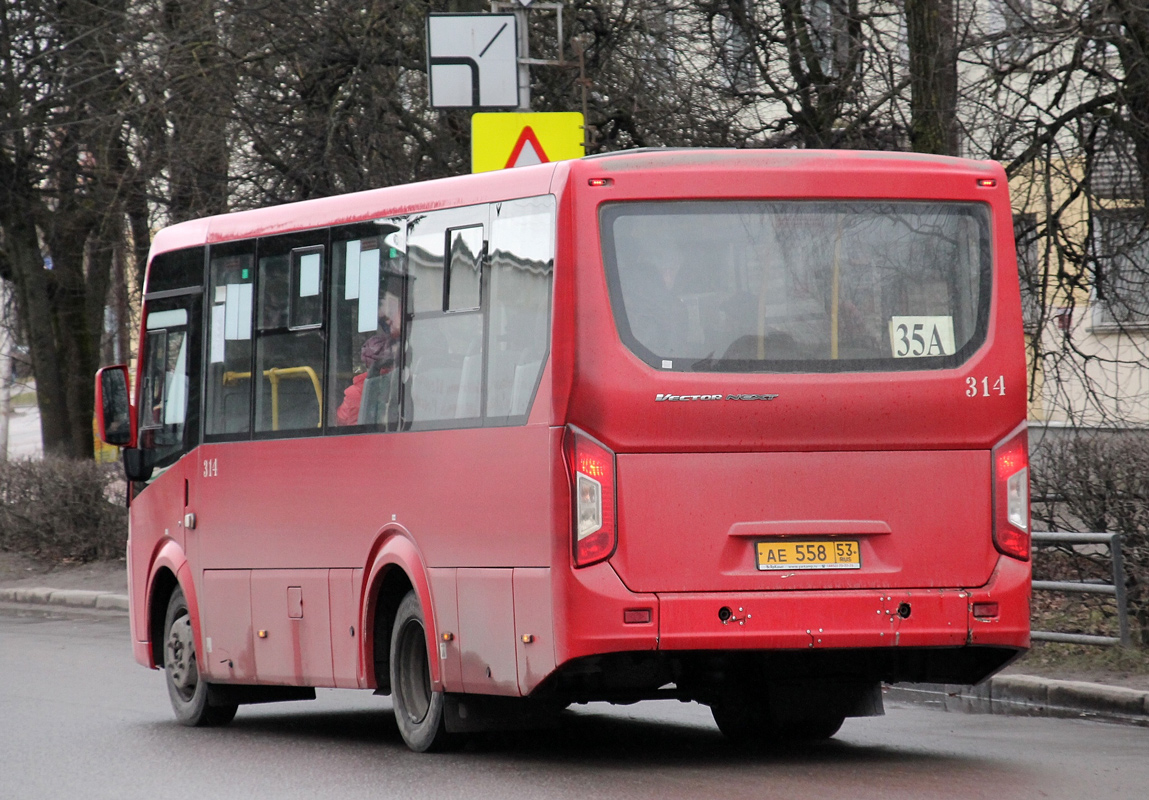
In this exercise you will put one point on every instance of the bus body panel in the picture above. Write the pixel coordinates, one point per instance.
(261, 509)
(614, 396)
(534, 627)
(589, 622)
(227, 638)
(445, 597)
(817, 619)
(690, 522)
(343, 599)
(698, 453)
(274, 522)
(487, 631)
(157, 521)
(291, 614)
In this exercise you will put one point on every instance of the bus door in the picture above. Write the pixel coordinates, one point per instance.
(168, 413)
(263, 547)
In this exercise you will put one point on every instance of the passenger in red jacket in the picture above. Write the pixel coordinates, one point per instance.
(378, 354)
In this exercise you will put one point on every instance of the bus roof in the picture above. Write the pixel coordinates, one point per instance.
(341, 209)
(541, 179)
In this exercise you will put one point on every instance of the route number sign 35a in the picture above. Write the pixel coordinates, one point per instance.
(918, 337)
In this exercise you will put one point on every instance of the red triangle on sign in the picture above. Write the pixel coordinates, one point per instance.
(528, 150)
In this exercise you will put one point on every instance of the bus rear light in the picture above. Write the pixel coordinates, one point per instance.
(636, 616)
(1011, 495)
(592, 494)
(985, 610)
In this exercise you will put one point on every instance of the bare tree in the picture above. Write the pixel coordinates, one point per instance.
(61, 158)
(933, 76)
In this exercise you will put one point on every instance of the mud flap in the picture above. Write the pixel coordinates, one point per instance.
(478, 713)
(800, 701)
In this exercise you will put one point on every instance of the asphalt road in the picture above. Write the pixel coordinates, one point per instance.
(79, 719)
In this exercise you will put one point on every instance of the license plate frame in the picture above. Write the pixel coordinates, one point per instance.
(803, 554)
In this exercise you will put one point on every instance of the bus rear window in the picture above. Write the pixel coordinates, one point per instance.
(798, 286)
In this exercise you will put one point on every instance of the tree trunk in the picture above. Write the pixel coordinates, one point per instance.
(933, 76)
(198, 156)
(33, 299)
(5, 367)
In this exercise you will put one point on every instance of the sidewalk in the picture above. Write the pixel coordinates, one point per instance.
(102, 588)
(1032, 696)
(102, 585)
(71, 598)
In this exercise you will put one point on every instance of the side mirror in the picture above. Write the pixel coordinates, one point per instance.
(113, 411)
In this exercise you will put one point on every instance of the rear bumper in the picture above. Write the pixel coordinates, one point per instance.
(592, 621)
(849, 619)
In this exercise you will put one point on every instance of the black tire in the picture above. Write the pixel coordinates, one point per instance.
(189, 694)
(816, 729)
(418, 709)
(750, 721)
(742, 720)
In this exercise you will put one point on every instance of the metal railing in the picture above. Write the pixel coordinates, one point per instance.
(1116, 589)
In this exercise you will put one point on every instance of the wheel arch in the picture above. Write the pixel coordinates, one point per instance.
(169, 571)
(395, 568)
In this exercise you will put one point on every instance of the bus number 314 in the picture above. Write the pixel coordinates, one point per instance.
(971, 386)
(211, 467)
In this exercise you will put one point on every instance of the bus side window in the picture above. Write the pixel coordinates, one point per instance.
(289, 337)
(445, 346)
(522, 264)
(367, 322)
(228, 384)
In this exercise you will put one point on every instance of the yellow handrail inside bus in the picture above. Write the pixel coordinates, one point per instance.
(834, 286)
(274, 375)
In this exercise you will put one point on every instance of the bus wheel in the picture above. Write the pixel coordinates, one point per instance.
(815, 729)
(189, 694)
(742, 720)
(751, 722)
(418, 709)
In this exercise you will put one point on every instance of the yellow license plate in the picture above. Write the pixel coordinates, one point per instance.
(813, 554)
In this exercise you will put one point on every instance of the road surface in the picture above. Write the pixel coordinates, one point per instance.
(79, 719)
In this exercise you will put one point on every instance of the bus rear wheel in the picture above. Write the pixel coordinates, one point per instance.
(751, 721)
(190, 696)
(419, 711)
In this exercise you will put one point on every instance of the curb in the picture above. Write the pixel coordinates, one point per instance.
(71, 598)
(1031, 696)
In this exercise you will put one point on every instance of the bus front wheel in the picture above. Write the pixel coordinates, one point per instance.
(190, 696)
(419, 711)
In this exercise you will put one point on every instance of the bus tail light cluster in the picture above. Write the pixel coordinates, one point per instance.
(1011, 495)
(592, 494)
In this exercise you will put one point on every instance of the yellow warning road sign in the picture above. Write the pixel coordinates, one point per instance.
(499, 141)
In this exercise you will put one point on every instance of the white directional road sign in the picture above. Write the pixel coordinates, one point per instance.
(472, 60)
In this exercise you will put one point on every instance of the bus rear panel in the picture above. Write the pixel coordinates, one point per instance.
(800, 380)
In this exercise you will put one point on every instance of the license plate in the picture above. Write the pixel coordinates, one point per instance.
(812, 554)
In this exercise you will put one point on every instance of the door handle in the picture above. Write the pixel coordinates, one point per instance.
(189, 521)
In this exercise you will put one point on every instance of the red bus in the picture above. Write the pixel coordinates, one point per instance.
(745, 428)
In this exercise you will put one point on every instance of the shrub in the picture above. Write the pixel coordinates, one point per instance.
(57, 509)
(1099, 481)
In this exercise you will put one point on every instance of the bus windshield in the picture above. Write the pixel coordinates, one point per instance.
(798, 286)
